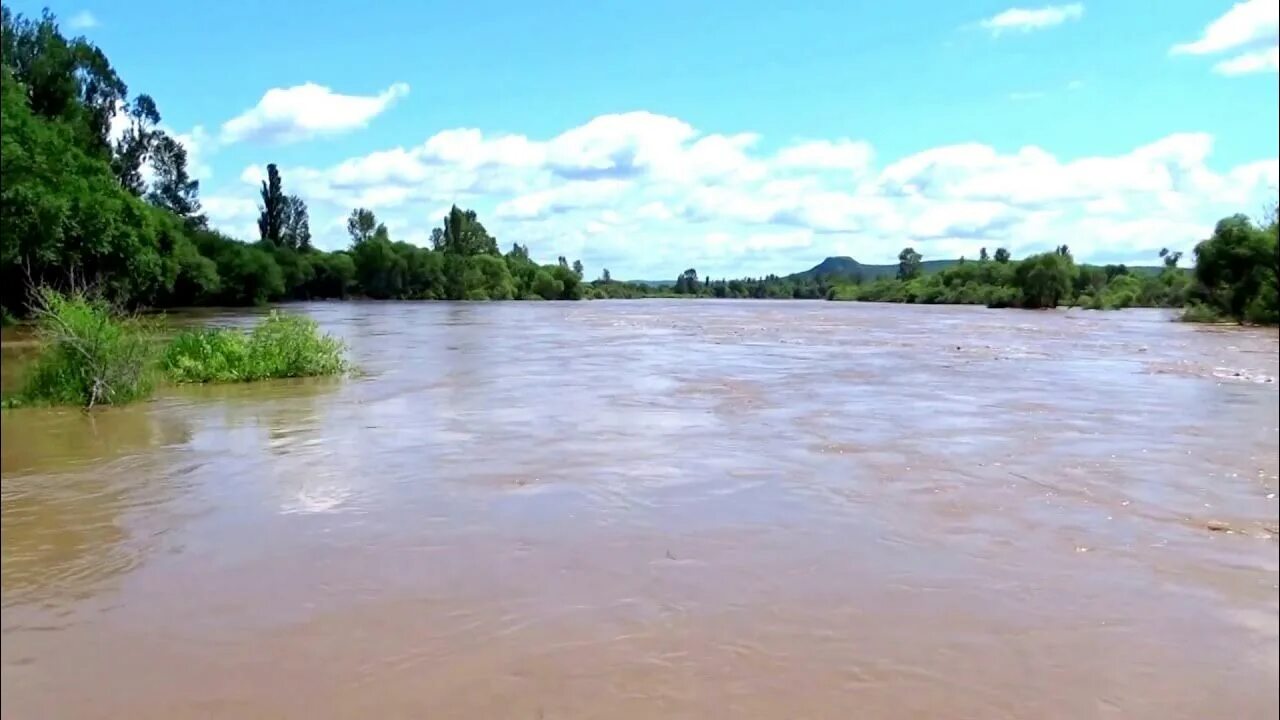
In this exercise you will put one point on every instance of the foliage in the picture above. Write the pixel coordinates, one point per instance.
(1040, 281)
(281, 346)
(1238, 271)
(91, 354)
(80, 209)
(1045, 279)
(908, 264)
(1200, 313)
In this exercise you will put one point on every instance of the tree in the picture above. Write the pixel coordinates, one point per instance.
(1170, 258)
(1045, 279)
(1238, 270)
(1063, 250)
(605, 277)
(577, 268)
(173, 189)
(1002, 255)
(687, 282)
(982, 255)
(380, 270)
(908, 264)
(519, 252)
(361, 225)
(137, 143)
(272, 207)
(66, 80)
(295, 231)
(463, 234)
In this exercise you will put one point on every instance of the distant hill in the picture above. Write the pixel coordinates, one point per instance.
(843, 266)
(846, 267)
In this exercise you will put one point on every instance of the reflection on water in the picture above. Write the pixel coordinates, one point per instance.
(665, 509)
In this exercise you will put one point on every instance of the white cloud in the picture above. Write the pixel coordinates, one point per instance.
(198, 145)
(305, 111)
(1255, 61)
(574, 195)
(1249, 23)
(1029, 19)
(82, 20)
(235, 215)
(843, 154)
(648, 195)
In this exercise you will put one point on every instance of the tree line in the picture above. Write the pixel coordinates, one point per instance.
(88, 204)
(1235, 278)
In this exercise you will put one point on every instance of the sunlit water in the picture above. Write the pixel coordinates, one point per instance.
(661, 509)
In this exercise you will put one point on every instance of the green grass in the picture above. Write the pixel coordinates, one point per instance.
(282, 346)
(92, 354)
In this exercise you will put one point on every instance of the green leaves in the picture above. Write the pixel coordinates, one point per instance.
(281, 346)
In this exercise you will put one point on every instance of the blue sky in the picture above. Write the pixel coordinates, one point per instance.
(734, 137)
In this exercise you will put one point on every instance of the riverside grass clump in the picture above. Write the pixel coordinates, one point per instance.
(281, 346)
(94, 354)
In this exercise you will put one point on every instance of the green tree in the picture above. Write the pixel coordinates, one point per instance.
(463, 234)
(361, 225)
(295, 229)
(546, 286)
(1002, 255)
(1170, 258)
(380, 270)
(687, 283)
(271, 209)
(982, 255)
(1045, 279)
(577, 268)
(136, 143)
(173, 189)
(1237, 270)
(908, 264)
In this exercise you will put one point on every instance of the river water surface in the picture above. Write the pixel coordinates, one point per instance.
(663, 509)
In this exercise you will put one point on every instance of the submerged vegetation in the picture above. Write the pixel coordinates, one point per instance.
(281, 346)
(92, 354)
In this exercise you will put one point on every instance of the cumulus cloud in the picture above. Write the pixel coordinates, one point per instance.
(1251, 29)
(305, 111)
(844, 154)
(648, 195)
(82, 20)
(1029, 19)
(1246, 23)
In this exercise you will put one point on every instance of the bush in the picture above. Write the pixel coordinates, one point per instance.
(91, 355)
(282, 346)
(1202, 313)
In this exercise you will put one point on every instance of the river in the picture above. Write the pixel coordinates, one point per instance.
(665, 509)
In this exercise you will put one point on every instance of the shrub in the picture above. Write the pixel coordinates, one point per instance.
(1202, 313)
(91, 354)
(281, 346)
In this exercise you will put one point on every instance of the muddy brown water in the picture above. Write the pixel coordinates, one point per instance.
(660, 509)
